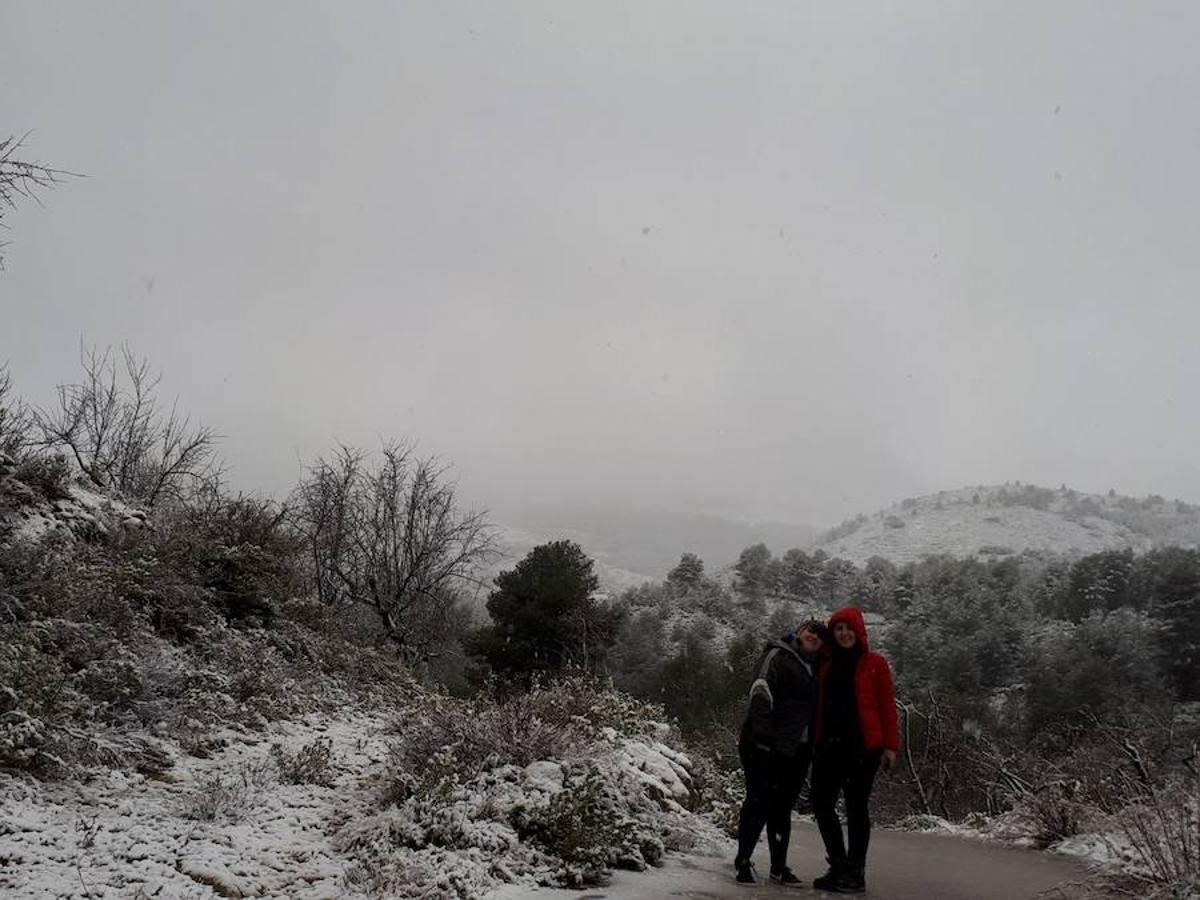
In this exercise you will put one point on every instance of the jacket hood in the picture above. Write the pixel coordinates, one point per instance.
(854, 617)
(789, 643)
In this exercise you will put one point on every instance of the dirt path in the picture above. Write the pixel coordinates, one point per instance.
(903, 866)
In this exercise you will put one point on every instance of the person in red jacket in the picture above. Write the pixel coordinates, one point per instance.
(856, 731)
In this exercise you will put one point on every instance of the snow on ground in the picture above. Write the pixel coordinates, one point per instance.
(131, 836)
(228, 826)
(1107, 851)
(83, 512)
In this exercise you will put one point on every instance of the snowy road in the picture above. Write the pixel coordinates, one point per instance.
(903, 866)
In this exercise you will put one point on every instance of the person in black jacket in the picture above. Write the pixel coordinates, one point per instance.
(775, 746)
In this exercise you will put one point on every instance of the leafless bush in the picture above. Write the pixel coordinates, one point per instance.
(1157, 832)
(949, 766)
(113, 427)
(311, 764)
(1163, 830)
(1055, 811)
(228, 796)
(389, 536)
(87, 827)
(16, 421)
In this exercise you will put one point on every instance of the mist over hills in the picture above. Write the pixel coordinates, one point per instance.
(999, 520)
(631, 546)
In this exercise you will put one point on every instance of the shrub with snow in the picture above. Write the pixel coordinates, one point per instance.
(587, 826)
(310, 764)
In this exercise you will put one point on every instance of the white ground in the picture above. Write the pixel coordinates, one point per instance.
(127, 836)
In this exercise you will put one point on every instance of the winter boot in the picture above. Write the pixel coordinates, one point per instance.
(829, 881)
(853, 879)
(744, 871)
(785, 876)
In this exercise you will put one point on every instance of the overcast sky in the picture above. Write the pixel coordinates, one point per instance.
(785, 261)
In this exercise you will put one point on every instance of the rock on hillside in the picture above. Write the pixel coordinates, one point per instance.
(999, 520)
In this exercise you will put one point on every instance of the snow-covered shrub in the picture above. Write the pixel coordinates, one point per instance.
(594, 705)
(555, 785)
(546, 722)
(587, 826)
(228, 795)
(48, 476)
(480, 735)
(112, 683)
(720, 789)
(310, 764)
(41, 705)
(239, 549)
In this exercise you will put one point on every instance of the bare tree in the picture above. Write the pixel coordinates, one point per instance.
(112, 425)
(20, 180)
(386, 533)
(15, 419)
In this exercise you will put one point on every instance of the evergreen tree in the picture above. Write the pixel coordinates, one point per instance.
(754, 570)
(688, 575)
(544, 614)
(1176, 604)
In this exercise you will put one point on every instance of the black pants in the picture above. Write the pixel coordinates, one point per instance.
(773, 783)
(839, 770)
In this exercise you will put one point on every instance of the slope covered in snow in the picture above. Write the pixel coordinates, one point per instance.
(266, 815)
(1000, 520)
(39, 501)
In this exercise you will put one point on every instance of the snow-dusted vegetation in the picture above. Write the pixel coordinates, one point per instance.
(994, 521)
(1049, 701)
(205, 693)
(343, 803)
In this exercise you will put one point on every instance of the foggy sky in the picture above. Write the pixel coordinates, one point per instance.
(769, 260)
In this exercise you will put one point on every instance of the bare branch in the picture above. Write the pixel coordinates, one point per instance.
(112, 425)
(388, 535)
(21, 179)
(16, 422)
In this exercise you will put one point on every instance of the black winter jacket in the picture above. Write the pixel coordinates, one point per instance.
(783, 700)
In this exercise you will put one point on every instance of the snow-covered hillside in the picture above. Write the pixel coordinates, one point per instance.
(32, 508)
(256, 818)
(998, 520)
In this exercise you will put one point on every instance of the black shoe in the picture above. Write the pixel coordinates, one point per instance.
(745, 872)
(829, 881)
(785, 876)
(852, 881)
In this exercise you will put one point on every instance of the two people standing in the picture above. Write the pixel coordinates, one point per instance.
(820, 695)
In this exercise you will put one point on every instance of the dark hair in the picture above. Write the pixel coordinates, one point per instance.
(817, 627)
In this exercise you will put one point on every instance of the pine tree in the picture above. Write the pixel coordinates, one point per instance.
(544, 614)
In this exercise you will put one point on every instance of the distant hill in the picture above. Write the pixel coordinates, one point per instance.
(644, 545)
(998, 520)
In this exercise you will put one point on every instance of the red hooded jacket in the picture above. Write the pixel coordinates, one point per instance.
(873, 688)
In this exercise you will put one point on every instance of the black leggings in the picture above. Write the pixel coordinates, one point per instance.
(835, 770)
(773, 783)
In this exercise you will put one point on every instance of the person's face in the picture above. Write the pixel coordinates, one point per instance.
(810, 640)
(844, 634)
